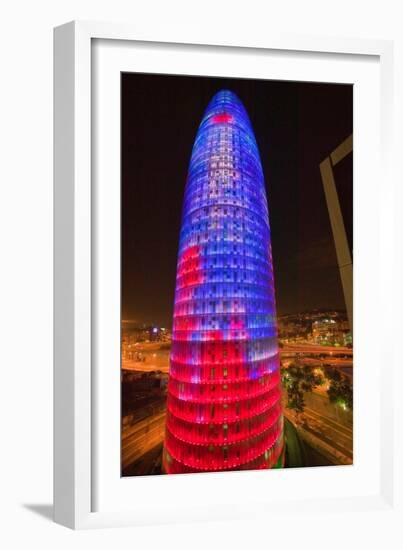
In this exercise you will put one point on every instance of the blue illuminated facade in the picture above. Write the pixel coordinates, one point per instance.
(224, 400)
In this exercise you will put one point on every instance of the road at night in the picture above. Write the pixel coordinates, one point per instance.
(313, 349)
(154, 357)
(326, 430)
(141, 438)
(334, 433)
(304, 353)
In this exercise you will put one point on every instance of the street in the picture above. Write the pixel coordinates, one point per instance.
(328, 436)
(142, 437)
(152, 357)
(312, 349)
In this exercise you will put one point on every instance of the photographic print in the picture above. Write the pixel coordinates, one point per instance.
(236, 271)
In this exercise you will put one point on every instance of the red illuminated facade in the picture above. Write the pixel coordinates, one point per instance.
(224, 400)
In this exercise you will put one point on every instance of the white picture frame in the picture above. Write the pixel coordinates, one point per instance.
(82, 481)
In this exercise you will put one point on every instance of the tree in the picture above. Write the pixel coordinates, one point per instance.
(298, 380)
(340, 389)
(296, 402)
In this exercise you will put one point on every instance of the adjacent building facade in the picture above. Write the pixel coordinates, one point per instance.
(224, 400)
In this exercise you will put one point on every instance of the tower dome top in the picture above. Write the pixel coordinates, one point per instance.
(225, 95)
(225, 107)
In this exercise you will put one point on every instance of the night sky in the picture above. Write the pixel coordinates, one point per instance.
(296, 126)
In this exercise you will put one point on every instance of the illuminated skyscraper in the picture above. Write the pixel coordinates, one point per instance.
(224, 402)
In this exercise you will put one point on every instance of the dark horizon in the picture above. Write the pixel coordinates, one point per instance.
(296, 126)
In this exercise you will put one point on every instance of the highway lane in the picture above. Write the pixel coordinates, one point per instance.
(316, 349)
(337, 426)
(330, 431)
(142, 437)
(153, 358)
(332, 361)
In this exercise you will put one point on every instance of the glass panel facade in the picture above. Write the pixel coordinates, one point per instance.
(224, 399)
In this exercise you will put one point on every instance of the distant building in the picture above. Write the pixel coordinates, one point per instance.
(328, 332)
(132, 336)
(154, 334)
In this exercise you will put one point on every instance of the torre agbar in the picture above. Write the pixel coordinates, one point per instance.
(224, 401)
